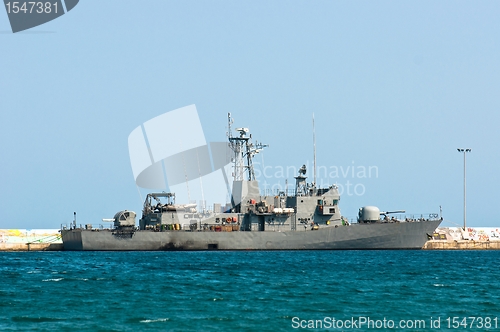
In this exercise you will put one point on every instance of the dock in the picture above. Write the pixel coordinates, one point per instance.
(472, 238)
(30, 240)
(461, 245)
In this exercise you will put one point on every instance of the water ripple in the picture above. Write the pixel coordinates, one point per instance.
(264, 291)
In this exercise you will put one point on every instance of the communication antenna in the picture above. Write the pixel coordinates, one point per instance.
(314, 148)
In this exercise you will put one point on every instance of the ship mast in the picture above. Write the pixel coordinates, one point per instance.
(244, 151)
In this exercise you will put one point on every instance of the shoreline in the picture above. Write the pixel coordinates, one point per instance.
(429, 245)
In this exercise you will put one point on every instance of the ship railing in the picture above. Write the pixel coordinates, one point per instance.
(419, 217)
(95, 227)
(291, 192)
(408, 217)
(278, 192)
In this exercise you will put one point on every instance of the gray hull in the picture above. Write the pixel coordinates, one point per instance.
(404, 235)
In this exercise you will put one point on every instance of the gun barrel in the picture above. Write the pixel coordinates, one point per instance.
(389, 212)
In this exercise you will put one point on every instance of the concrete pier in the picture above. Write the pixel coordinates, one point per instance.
(31, 246)
(456, 238)
(30, 240)
(461, 245)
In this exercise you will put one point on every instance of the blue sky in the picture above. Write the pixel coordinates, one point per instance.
(396, 85)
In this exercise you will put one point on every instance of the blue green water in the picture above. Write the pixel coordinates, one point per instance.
(249, 291)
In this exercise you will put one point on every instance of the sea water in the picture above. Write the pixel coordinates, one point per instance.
(250, 291)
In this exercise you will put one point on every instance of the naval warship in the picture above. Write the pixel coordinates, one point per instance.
(303, 218)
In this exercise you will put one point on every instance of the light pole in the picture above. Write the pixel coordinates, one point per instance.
(464, 151)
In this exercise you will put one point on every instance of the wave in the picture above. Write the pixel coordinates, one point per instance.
(154, 320)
